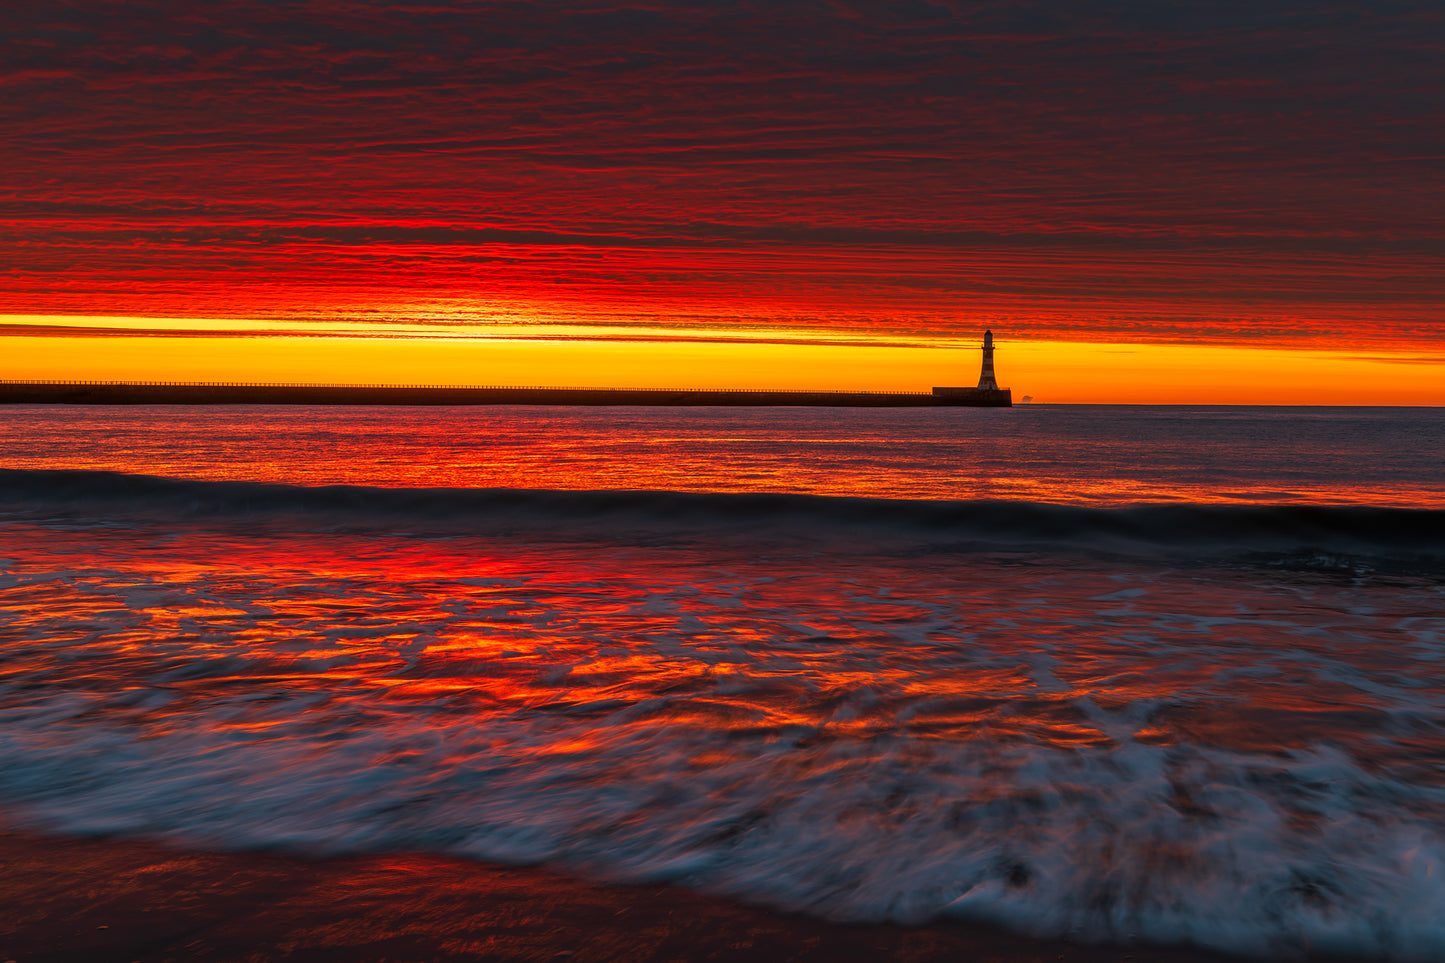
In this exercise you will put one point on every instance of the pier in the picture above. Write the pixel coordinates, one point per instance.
(202, 393)
(987, 395)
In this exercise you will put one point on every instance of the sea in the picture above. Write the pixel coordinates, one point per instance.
(1108, 673)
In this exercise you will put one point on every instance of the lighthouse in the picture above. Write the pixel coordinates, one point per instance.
(986, 380)
(987, 395)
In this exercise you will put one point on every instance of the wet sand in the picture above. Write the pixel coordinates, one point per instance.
(64, 899)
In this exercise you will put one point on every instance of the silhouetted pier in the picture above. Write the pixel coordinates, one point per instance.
(223, 393)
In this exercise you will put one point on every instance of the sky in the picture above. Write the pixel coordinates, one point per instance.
(1144, 201)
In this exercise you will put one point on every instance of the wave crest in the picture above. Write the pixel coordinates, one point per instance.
(1322, 537)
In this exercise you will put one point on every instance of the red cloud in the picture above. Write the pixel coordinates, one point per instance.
(1268, 174)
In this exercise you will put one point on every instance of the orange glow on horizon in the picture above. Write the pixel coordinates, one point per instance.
(1063, 372)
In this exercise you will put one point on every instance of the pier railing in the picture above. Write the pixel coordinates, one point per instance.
(426, 387)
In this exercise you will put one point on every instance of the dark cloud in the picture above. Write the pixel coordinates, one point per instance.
(1249, 169)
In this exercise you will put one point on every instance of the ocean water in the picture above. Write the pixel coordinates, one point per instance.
(1114, 674)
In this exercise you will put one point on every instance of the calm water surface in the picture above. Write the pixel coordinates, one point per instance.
(1217, 719)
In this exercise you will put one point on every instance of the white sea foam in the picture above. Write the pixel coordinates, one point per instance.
(1092, 844)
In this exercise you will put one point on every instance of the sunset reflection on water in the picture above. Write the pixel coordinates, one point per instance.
(1091, 455)
(585, 645)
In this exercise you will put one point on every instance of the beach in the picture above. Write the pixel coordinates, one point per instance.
(71, 900)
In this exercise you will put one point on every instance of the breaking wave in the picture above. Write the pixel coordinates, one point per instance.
(1307, 536)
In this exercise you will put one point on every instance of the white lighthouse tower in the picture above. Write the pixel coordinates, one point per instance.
(986, 379)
